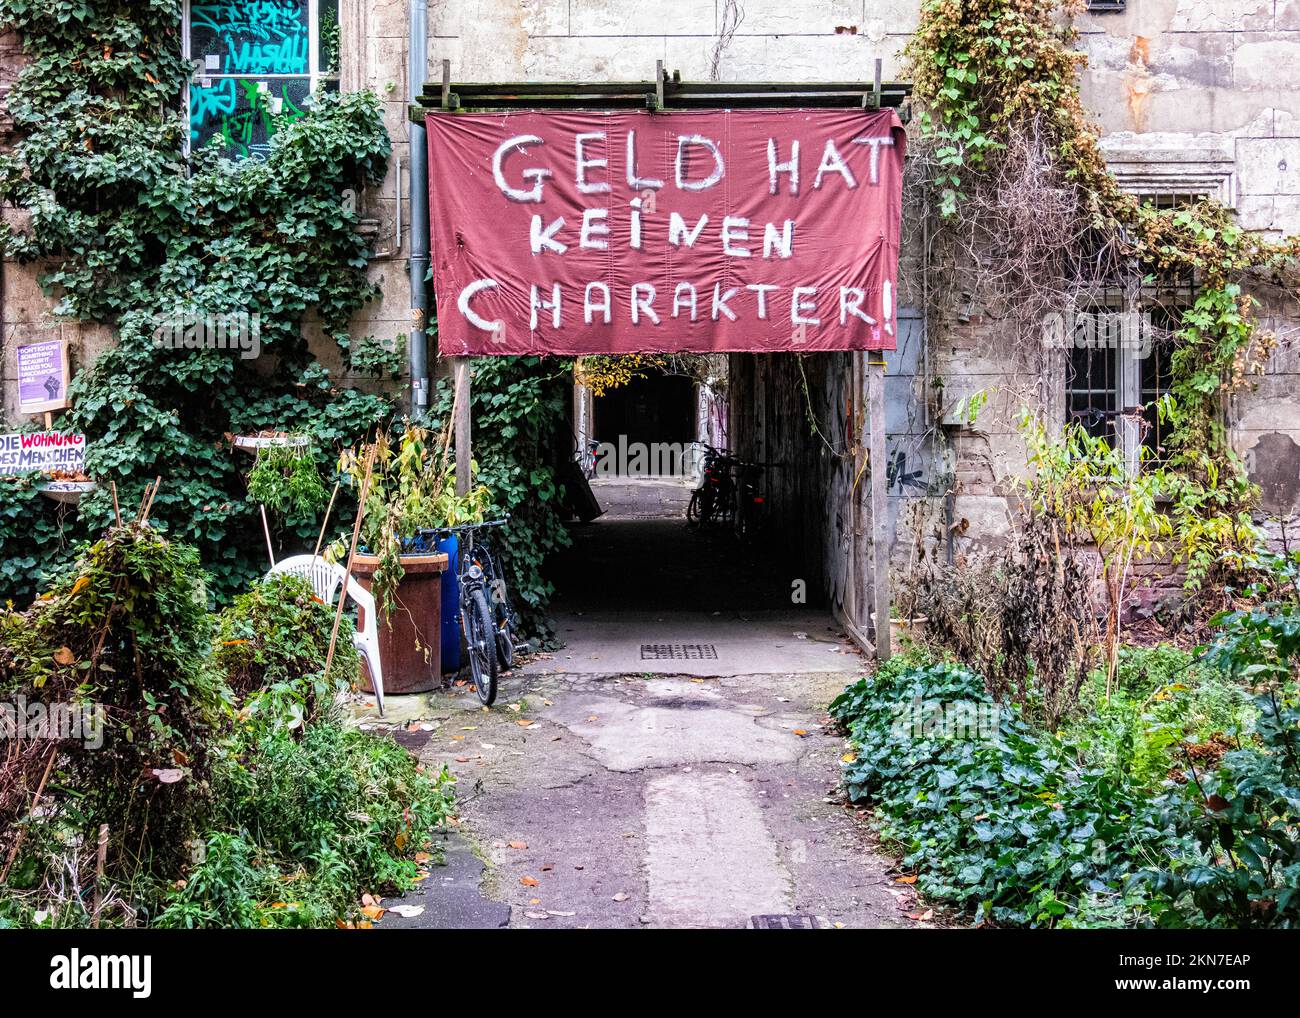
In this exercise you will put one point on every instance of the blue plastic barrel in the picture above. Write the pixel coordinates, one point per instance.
(450, 546)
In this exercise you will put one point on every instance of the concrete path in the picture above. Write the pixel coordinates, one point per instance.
(671, 765)
(632, 800)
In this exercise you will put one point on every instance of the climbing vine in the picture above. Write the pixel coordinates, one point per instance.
(1013, 163)
(131, 233)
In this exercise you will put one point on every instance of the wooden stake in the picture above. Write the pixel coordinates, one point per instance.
(352, 553)
(266, 529)
(325, 522)
(117, 512)
(150, 493)
(101, 860)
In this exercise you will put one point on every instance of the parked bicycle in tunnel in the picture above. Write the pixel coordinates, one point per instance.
(729, 494)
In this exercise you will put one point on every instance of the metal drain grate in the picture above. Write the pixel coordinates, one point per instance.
(789, 922)
(678, 652)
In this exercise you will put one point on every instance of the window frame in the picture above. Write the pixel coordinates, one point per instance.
(1134, 295)
(316, 75)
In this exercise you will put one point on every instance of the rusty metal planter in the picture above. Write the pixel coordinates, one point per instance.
(410, 650)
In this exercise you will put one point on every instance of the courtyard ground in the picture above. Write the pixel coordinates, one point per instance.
(608, 788)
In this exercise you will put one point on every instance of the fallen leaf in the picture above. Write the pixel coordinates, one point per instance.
(516, 844)
(168, 775)
(905, 880)
(801, 731)
(523, 722)
(537, 915)
(922, 917)
(462, 759)
(372, 912)
(621, 896)
(563, 914)
(64, 656)
(422, 857)
(407, 911)
(528, 881)
(849, 757)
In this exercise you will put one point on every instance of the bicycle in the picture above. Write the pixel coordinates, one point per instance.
(487, 642)
(715, 499)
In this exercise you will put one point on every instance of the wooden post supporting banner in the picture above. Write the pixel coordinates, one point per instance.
(461, 415)
(875, 417)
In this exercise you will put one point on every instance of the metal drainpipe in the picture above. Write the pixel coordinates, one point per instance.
(418, 197)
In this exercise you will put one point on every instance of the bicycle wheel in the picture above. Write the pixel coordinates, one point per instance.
(505, 640)
(482, 647)
(694, 507)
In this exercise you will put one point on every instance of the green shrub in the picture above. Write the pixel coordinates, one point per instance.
(270, 648)
(994, 816)
(1162, 702)
(1246, 815)
(123, 635)
(305, 826)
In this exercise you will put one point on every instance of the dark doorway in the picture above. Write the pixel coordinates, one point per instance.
(653, 408)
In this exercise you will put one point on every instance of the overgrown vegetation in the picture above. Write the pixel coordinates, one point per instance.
(1034, 221)
(219, 781)
(993, 815)
(136, 235)
(1168, 797)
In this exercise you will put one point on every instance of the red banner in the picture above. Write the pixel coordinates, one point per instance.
(588, 232)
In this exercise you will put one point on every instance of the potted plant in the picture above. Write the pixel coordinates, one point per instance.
(286, 480)
(412, 488)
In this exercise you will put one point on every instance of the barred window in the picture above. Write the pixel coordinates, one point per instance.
(256, 65)
(1119, 364)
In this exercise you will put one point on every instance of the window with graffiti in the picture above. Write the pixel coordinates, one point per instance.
(256, 65)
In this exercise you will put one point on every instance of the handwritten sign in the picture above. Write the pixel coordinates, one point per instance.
(589, 232)
(46, 451)
(42, 377)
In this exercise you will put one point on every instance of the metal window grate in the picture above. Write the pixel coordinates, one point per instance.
(1102, 6)
(678, 652)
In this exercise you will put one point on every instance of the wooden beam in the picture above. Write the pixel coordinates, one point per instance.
(875, 417)
(462, 422)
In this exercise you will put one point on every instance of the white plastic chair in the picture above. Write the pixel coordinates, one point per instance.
(326, 578)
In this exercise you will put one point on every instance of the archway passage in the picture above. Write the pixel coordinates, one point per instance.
(644, 588)
(577, 222)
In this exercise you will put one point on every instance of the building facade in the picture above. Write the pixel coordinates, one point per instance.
(1194, 97)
